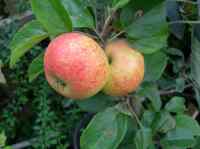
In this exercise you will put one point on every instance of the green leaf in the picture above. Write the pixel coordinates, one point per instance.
(155, 65)
(123, 108)
(106, 130)
(51, 18)
(117, 4)
(180, 84)
(195, 69)
(28, 36)
(151, 44)
(147, 118)
(129, 12)
(176, 104)
(2, 139)
(128, 141)
(36, 67)
(197, 143)
(197, 95)
(152, 146)
(80, 15)
(195, 61)
(57, 5)
(96, 103)
(179, 137)
(143, 138)
(151, 91)
(163, 122)
(152, 23)
(149, 32)
(187, 122)
(8, 147)
(172, 147)
(2, 77)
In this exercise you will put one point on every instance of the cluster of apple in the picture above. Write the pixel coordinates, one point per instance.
(77, 67)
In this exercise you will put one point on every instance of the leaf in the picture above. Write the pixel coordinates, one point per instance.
(128, 141)
(2, 77)
(2, 139)
(28, 36)
(151, 44)
(195, 61)
(149, 32)
(155, 65)
(50, 17)
(79, 13)
(152, 146)
(36, 67)
(179, 137)
(180, 84)
(96, 103)
(143, 138)
(176, 104)
(117, 4)
(57, 5)
(197, 95)
(172, 147)
(129, 12)
(123, 108)
(147, 118)
(187, 122)
(195, 69)
(173, 14)
(8, 147)
(151, 91)
(152, 23)
(163, 122)
(197, 143)
(106, 130)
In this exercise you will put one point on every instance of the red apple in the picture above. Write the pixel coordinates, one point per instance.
(126, 69)
(75, 65)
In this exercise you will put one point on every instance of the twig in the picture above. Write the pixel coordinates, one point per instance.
(117, 35)
(195, 114)
(22, 18)
(24, 144)
(184, 22)
(27, 143)
(106, 24)
(99, 36)
(184, 1)
(172, 91)
(129, 100)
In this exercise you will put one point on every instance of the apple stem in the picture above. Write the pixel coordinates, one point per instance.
(99, 36)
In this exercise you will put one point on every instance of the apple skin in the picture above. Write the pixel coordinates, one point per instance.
(75, 65)
(126, 69)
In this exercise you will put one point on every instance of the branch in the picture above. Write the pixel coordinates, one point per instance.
(172, 91)
(24, 144)
(106, 24)
(27, 16)
(134, 115)
(184, 1)
(184, 22)
(117, 35)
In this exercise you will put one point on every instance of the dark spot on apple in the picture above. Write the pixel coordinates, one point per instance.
(109, 60)
(61, 82)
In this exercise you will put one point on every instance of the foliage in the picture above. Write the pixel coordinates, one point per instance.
(31, 105)
(160, 110)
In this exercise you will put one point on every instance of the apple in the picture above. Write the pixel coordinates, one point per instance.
(126, 68)
(75, 65)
